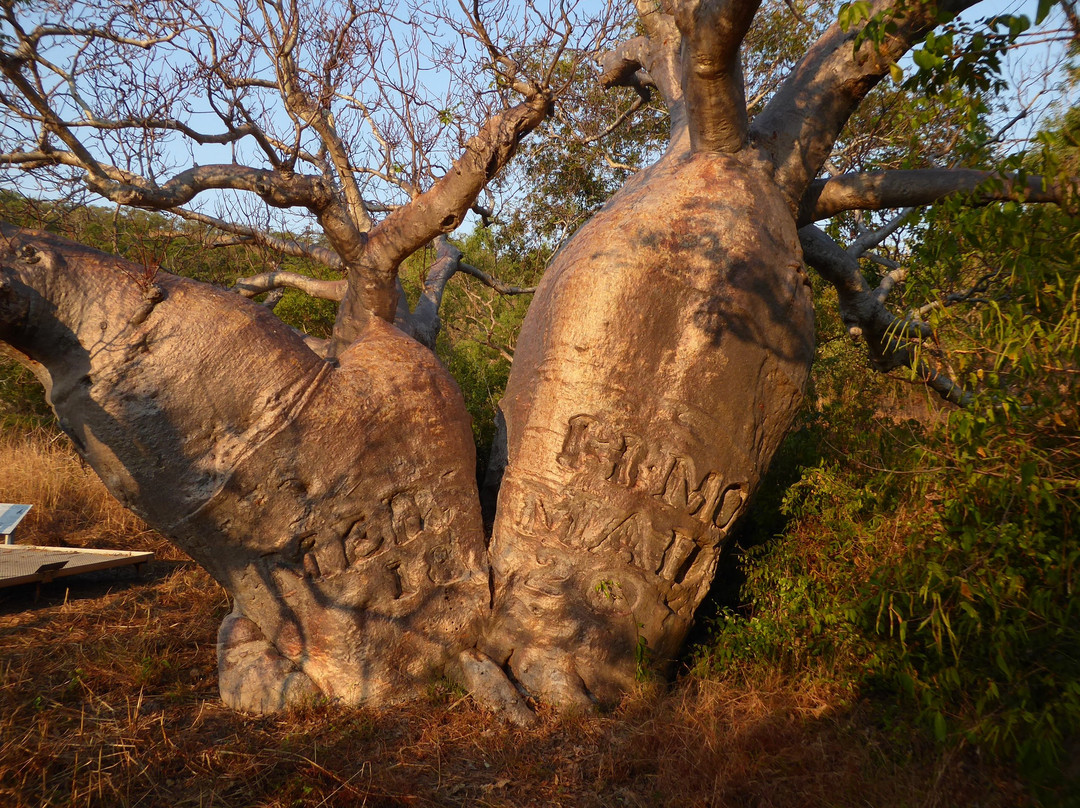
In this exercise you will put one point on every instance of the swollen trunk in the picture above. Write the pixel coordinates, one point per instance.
(657, 371)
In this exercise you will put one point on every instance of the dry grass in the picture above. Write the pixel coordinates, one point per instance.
(71, 505)
(108, 698)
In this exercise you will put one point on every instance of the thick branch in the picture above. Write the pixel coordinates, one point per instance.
(282, 279)
(425, 319)
(442, 208)
(712, 31)
(275, 188)
(800, 124)
(437, 211)
(894, 189)
(893, 341)
(623, 66)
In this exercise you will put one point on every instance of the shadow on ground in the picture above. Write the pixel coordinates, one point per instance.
(108, 698)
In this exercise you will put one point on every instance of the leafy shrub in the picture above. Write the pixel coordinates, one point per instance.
(937, 560)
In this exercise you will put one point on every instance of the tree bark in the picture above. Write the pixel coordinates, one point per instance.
(657, 370)
(336, 504)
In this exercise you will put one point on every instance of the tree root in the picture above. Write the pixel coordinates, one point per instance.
(253, 676)
(490, 686)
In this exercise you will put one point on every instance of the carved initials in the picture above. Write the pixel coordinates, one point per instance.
(630, 462)
(588, 443)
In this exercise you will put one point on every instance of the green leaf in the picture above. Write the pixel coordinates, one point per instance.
(853, 13)
(941, 731)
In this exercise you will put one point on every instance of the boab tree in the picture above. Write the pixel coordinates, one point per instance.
(330, 487)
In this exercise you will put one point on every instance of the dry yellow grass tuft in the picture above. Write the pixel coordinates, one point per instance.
(71, 505)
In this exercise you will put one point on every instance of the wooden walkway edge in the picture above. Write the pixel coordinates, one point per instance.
(27, 563)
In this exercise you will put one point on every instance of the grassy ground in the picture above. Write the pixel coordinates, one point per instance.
(108, 698)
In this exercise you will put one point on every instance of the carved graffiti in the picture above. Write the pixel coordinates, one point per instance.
(638, 539)
(395, 521)
(443, 565)
(629, 461)
(651, 507)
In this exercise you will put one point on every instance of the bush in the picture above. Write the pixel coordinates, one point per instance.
(937, 561)
(22, 399)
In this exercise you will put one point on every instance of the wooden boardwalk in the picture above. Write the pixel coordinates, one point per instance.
(25, 563)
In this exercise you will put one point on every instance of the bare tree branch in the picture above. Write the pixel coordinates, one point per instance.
(424, 320)
(493, 282)
(969, 295)
(324, 109)
(281, 279)
(437, 211)
(800, 124)
(650, 61)
(904, 188)
(253, 235)
(316, 112)
(870, 239)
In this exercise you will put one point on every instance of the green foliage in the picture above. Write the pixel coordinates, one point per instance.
(948, 581)
(963, 54)
(981, 613)
(934, 557)
(967, 55)
(804, 588)
(22, 399)
(311, 315)
(851, 14)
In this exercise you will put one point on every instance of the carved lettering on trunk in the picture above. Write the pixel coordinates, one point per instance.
(395, 521)
(652, 542)
(630, 461)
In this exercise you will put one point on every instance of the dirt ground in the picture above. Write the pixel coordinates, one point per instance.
(108, 697)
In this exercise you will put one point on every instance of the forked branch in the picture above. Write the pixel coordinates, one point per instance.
(893, 342)
(649, 61)
(424, 321)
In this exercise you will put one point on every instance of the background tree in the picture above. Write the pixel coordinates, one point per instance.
(329, 487)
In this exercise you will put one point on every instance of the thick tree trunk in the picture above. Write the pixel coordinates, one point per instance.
(336, 504)
(657, 370)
